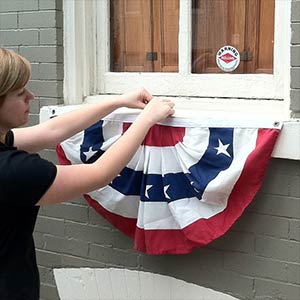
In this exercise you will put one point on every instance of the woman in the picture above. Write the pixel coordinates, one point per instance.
(28, 181)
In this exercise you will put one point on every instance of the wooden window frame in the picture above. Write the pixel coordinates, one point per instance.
(87, 63)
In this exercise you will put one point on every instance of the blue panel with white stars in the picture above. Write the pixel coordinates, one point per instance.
(173, 186)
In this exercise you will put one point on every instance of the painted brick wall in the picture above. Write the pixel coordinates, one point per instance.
(258, 259)
(295, 59)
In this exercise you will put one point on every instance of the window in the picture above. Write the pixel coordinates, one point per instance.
(144, 34)
(163, 45)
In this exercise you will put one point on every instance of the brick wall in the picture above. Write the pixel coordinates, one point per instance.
(258, 259)
(295, 59)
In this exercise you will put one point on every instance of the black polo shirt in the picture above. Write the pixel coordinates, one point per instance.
(24, 178)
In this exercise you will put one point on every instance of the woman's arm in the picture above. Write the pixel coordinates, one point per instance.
(75, 180)
(54, 131)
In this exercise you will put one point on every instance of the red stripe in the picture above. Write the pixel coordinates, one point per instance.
(161, 136)
(62, 156)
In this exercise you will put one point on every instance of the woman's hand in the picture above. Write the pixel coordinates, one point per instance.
(157, 110)
(135, 99)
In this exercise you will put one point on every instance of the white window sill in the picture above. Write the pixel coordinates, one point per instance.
(287, 145)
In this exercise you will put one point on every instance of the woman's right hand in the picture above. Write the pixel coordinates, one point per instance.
(157, 109)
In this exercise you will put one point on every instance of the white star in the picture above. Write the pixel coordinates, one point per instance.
(165, 191)
(90, 153)
(148, 187)
(119, 175)
(192, 184)
(222, 149)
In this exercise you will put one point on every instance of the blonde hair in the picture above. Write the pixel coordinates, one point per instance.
(15, 72)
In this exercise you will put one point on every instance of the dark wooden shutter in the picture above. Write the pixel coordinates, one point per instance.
(247, 25)
(144, 35)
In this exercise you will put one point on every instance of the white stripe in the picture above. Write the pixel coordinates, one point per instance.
(71, 148)
(115, 202)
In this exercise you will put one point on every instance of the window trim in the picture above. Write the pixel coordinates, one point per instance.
(86, 73)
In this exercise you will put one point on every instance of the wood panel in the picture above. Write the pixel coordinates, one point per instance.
(215, 24)
(260, 36)
(130, 35)
(248, 25)
(165, 39)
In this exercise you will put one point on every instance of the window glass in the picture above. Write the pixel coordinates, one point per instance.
(144, 35)
(247, 25)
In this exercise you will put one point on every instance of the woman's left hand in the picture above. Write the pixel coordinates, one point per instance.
(136, 99)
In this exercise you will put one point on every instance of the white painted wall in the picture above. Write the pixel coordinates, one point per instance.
(124, 284)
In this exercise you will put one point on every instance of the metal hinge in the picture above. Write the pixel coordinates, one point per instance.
(151, 56)
(246, 56)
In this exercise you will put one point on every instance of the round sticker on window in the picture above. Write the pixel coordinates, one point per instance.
(228, 58)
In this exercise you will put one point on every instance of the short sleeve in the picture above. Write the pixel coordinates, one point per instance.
(9, 138)
(25, 178)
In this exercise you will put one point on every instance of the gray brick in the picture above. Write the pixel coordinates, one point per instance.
(294, 233)
(46, 275)
(68, 246)
(273, 290)
(34, 107)
(48, 259)
(294, 273)
(51, 71)
(283, 167)
(47, 71)
(88, 233)
(235, 241)
(295, 100)
(256, 266)
(277, 185)
(50, 225)
(295, 56)
(200, 259)
(19, 37)
(38, 239)
(295, 78)
(50, 101)
(34, 71)
(50, 4)
(226, 282)
(18, 5)
(48, 292)
(8, 21)
(113, 256)
(284, 250)
(263, 224)
(69, 261)
(51, 36)
(295, 189)
(46, 88)
(276, 205)
(66, 211)
(39, 19)
(295, 11)
(295, 33)
(33, 120)
(42, 54)
(96, 219)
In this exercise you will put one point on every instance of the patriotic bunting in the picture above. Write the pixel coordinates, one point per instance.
(188, 182)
